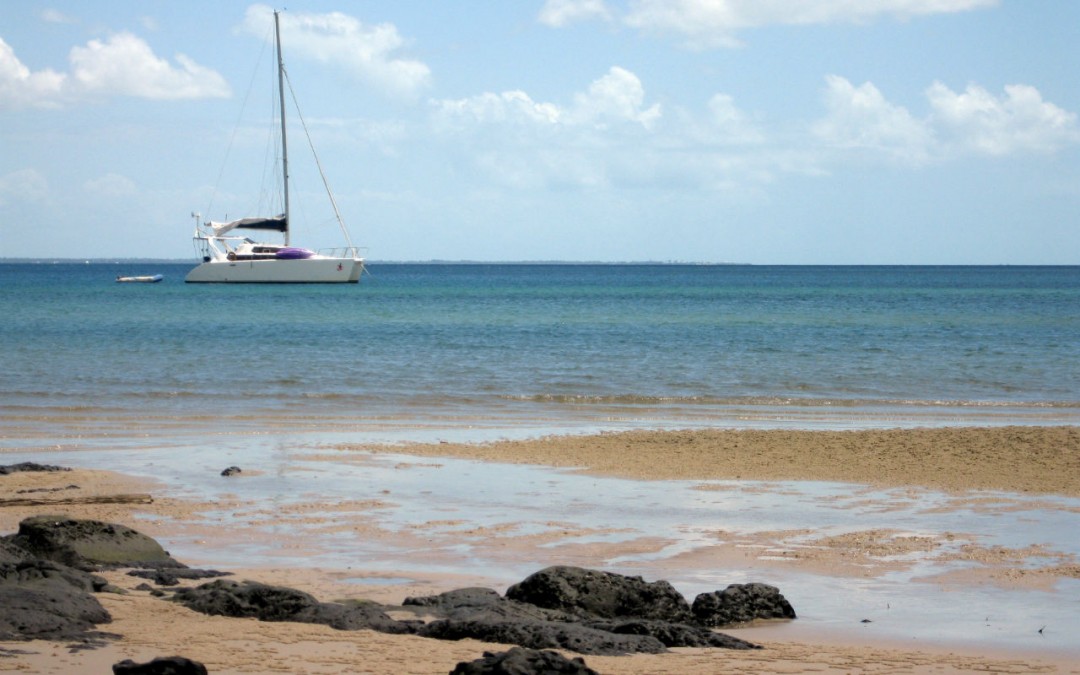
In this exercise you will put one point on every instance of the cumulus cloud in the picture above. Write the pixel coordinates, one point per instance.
(124, 64)
(1019, 121)
(972, 122)
(717, 23)
(616, 97)
(557, 13)
(339, 39)
(861, 118)
(121, 65)
(522, 142)
(19, 87)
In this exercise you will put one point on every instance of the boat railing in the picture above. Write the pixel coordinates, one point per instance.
(354, 252)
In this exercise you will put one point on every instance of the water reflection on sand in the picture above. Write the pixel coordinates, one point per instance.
(994, 569)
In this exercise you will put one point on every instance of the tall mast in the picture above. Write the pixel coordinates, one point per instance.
(281, 102)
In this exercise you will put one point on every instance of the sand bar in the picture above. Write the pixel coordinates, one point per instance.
(1040, 460)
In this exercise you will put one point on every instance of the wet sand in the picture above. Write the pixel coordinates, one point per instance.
(1040, 461)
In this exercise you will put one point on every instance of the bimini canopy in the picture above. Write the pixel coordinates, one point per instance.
(276, 224)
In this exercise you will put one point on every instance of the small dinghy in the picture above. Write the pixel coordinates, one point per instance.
(146, 279)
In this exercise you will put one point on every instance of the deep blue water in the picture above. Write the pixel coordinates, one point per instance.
(542, 346)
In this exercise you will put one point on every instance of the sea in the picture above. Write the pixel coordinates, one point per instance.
(175, 382)
(480, 351)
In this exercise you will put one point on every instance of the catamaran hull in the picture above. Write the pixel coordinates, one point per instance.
(305, 271)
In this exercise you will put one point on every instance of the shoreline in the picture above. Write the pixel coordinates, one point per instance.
(859, 456)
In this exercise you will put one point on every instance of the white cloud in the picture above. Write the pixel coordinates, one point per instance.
(716, 23)
(336, 38)
(124, 64)
(23, 185)
(608, 135)
(616, 97)
(1020, 121)
(21, 88)
(860, 118)
(110, 185)
(557, 13)
(973, 122)
(509, 107)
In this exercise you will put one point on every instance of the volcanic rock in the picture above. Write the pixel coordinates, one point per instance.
(84, 544)
(29, 466)
(605, 595)
(741, 603)
(278, 603)
(520, 661)
(45, 600)
(163, 665)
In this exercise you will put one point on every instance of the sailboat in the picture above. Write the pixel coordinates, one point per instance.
(228, 257)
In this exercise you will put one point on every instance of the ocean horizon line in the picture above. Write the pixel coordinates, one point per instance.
(437, 261)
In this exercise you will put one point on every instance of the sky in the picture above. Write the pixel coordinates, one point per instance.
(744, 131)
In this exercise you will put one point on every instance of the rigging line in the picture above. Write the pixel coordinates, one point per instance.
(236, 127)
(326, 183)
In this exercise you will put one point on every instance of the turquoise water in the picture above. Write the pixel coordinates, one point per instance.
(176, 382)
(541, 347)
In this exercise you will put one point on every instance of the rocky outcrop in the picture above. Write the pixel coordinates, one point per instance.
(85, 544)
(163, 665)
(586, 611)
(29, 466)
(741, 603)
(45, 600)
(46, 589)
(604, 595)
(278, 603)
(522, 661)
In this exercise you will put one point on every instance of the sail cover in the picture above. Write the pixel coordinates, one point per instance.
(276, 223)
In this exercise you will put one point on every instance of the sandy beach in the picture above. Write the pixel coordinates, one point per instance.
(968, 463)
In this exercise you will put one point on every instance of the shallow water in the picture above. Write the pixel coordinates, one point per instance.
(444, 516)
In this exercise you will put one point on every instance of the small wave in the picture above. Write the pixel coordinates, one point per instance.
(779, 401)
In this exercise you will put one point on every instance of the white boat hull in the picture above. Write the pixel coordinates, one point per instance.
(308, 271)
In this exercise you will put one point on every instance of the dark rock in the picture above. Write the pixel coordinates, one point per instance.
(460, 598)
(29, 466)
(86, 544)
(164, 665)
(277, 603)
(674, 634)
(741, 603)
(231, 471)
(10, 553)
(592, 593)
(520, 661)
(42, 599)
(485, 604)
(543, 635)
